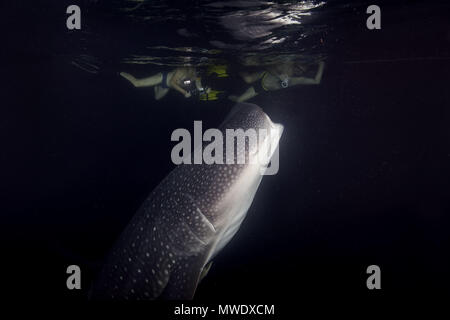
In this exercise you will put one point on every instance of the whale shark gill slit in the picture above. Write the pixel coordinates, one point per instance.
(202, 216)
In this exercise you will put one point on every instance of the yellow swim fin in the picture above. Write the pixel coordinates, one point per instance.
(220, 70)
(211, 95)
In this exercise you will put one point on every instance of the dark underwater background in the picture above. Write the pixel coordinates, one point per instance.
(364, 159)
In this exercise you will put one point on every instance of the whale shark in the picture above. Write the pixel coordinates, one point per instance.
(169, 244)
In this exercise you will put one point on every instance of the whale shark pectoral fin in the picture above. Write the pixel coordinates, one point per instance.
(205, 271)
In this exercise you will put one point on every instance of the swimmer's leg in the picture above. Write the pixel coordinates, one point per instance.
(145, 82)
(160, 92)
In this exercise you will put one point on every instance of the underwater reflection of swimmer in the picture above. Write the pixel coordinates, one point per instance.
(275, 78)
(179, 79)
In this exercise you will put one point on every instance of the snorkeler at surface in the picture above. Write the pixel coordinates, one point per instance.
(275, 78)
(179, 79)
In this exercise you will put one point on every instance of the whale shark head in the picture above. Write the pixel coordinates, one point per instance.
(261, 135)
(192, 214)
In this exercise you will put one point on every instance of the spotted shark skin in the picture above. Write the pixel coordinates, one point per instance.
(185, 222)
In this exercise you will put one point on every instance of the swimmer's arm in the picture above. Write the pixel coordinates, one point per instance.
(179, 89)
(250, 93)
(198, 84)
(316, 80)
(251, 77)
(174, 82)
